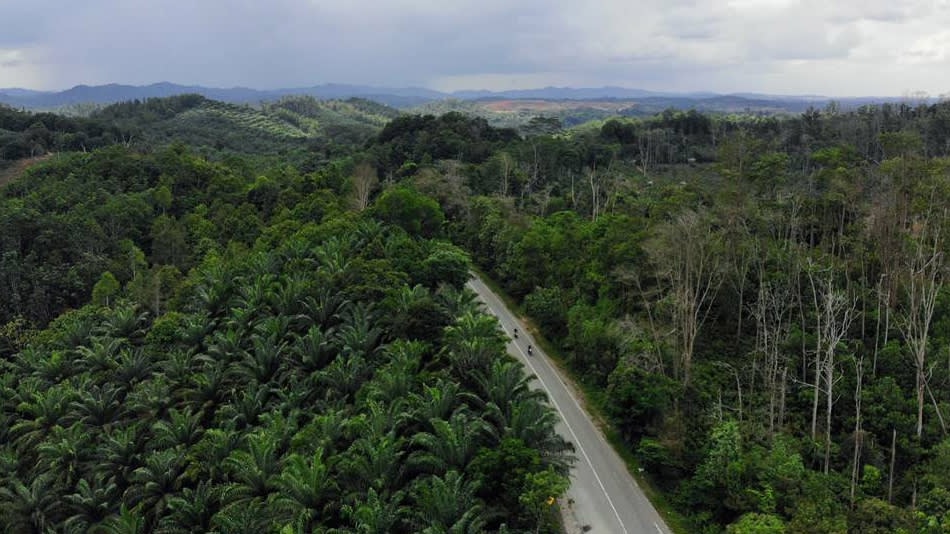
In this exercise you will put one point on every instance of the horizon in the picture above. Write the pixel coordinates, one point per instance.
(918, 95)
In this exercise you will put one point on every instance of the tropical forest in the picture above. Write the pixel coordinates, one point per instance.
(257, 318)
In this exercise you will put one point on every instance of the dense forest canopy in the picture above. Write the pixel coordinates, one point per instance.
(759, 301)
(274, 332)
(248, 354)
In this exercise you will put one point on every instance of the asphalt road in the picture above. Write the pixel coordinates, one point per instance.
(603, 496)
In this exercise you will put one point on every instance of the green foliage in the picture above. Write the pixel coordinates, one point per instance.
(753, 523)
(415, 213)
(291, 382)
(105, 289)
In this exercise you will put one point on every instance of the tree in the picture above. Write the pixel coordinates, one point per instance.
(304, 487)
(105, 289)
(923, 278)
(415, 213)
(834, 311)
(686, 257)
(364, 181)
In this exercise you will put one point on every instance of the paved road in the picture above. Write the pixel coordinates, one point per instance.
(605, 497)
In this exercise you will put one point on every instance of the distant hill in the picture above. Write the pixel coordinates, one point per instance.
(287, 124)
(407, 97)
(112, 93)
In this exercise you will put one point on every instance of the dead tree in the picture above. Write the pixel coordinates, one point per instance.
(772, 313)
(923, 278)
(364, 182)
(687, 255)
(834, 312)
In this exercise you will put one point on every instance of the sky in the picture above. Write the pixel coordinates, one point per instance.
(826, 47)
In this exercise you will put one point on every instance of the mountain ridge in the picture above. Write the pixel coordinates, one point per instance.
(402, 97)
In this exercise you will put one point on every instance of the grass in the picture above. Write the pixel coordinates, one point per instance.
(593, 399)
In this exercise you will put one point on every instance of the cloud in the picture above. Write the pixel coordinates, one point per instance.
(737, 45)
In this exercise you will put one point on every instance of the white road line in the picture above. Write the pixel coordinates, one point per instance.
(566, 424)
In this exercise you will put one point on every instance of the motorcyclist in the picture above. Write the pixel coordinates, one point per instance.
(529, 350)
(516, 332)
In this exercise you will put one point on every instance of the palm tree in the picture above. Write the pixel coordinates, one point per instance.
(191, 510)
(53, 367)
(374, 514)
(534, 423)
(123, 321)
(100, 357)
(245, 410)
(98, 406)
(206, 459)
(435, 402)
(322, 308)
(178, 366)
(118, 454)
(506, 383)
(474, 325)
(457, 302)
(254, 469)
(182, 428)
(38, 414)
(313, 351)
(304, 487)
(227, 345)
(134, 365)
(344, 376)
(357, 333)
(374, 462)
(399, 377)
(76, 330)
(194, 328)
(447, 504)
(206, 388)
(91, 502)
(215, 289)
(63, 453)
(287, 300)
(127, 521)
(263, 363)
(452, 444)
(244, 517)
(33, 508)
(150, 398)
(471, 357)
(155, 482)
(326, 431)
(331, 257)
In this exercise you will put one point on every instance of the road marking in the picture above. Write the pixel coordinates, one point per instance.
(563, 417)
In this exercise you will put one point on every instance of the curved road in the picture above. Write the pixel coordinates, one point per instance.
(603, 496)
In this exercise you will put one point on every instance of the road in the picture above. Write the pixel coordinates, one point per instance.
(603, 495)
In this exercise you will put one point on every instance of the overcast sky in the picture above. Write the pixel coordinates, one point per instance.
(829, 47)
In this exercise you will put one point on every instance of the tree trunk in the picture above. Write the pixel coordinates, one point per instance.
(890, 477)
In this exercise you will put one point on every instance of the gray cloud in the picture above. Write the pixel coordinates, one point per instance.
(841, 47)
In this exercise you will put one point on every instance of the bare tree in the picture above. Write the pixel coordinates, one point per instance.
(923, 278)
(687, 254)
(772, 313)
(858, 431)
(364, 182)
(834, 312)
(507, 168)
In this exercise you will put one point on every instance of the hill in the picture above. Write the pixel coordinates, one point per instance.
(405, 97)
(282, 126)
